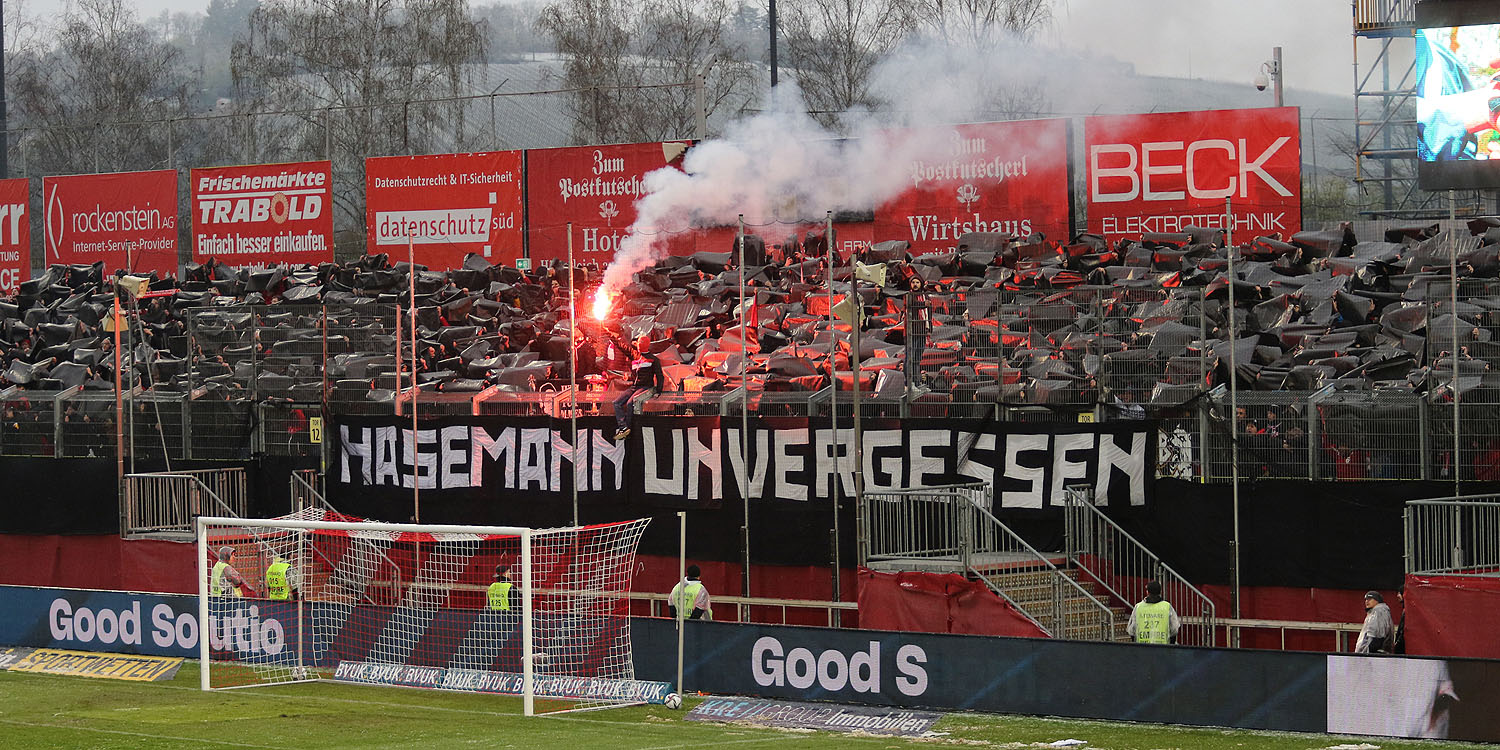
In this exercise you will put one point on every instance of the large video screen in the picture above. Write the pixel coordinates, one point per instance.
(1458, 95)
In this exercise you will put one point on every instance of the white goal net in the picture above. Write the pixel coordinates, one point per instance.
(539, 613)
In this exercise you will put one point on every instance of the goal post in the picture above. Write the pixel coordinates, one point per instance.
(538, 613)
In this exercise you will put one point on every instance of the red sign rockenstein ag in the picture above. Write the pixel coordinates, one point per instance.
(125, 219)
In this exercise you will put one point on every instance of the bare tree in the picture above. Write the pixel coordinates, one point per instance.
(347, 71)
(95, 100)
(832, 47)
(634, 65)
(973, 22)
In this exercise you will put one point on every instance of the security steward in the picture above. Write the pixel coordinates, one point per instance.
(278, 583)
(503, 596)
(1153, 620)
(225, 580)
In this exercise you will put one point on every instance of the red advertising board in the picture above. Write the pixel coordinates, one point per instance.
(15, 234)
(126, 219)
(450, 205)
(595, 188)
(260, 214)
(1164, 172)
(1009, 177)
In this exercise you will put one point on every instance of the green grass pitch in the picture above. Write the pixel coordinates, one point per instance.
(45, 711)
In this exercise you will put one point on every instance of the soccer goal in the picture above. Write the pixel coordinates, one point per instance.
(416, 606)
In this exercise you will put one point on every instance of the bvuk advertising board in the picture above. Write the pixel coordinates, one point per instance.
(260, 214)
(1168, 171)
(125, 219)
(449, 205)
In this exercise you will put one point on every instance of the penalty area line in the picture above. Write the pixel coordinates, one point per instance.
(38, 724)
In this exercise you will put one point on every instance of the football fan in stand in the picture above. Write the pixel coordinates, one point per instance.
(645, 375)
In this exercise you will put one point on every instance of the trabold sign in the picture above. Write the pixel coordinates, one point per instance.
(697, 462)
(125, 219)
(449, 205)
(1009, 177)
(15, 234)
(1168, 171)
(595, 188)
(260, 214)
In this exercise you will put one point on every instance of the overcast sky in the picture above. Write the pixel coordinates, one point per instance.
(1224, 40)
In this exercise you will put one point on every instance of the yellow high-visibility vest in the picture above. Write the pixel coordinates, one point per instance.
(277, 585)
(499, 595)
(1153, 622)
(686, 596)
(217, 586)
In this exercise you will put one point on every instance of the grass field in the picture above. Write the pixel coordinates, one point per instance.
(45, 711)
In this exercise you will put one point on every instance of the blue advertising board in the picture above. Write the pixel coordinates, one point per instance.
(1202, 686)
(137, 623)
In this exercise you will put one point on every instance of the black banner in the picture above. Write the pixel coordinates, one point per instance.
(1122, 682)
(697, 462)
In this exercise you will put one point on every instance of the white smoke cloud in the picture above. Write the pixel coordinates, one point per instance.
(781, 166)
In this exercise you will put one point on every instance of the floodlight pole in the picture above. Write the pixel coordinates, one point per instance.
(1453, 330)
(1234, 431)
(744, 421)
(573, 365)
(1276, 64)
(416, 472)
(120, 409)
(833, 412)
(857, 365)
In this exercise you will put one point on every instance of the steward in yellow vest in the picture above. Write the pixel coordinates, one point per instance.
(224, 580)
(1153, 620)
(503, 596)
(278, 585)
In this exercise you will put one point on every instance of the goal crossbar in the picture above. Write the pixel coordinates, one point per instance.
(411, 528)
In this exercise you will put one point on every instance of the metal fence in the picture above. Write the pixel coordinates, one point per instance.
(1458, 535)
(167, 503)
(1111, 557)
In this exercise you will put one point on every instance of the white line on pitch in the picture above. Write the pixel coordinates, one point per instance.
(136, 734)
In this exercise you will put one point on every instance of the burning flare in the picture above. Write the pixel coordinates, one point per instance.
(601, 303)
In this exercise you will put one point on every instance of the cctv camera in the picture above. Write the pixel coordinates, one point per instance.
(1261, 82)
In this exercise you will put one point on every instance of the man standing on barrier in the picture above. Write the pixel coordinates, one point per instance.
(645, 375)
(1153, 620)
(1375, 636)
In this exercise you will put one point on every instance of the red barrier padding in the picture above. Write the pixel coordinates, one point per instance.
(97, 561)
(1452, 616)
(1298, 605)
(937, 603)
